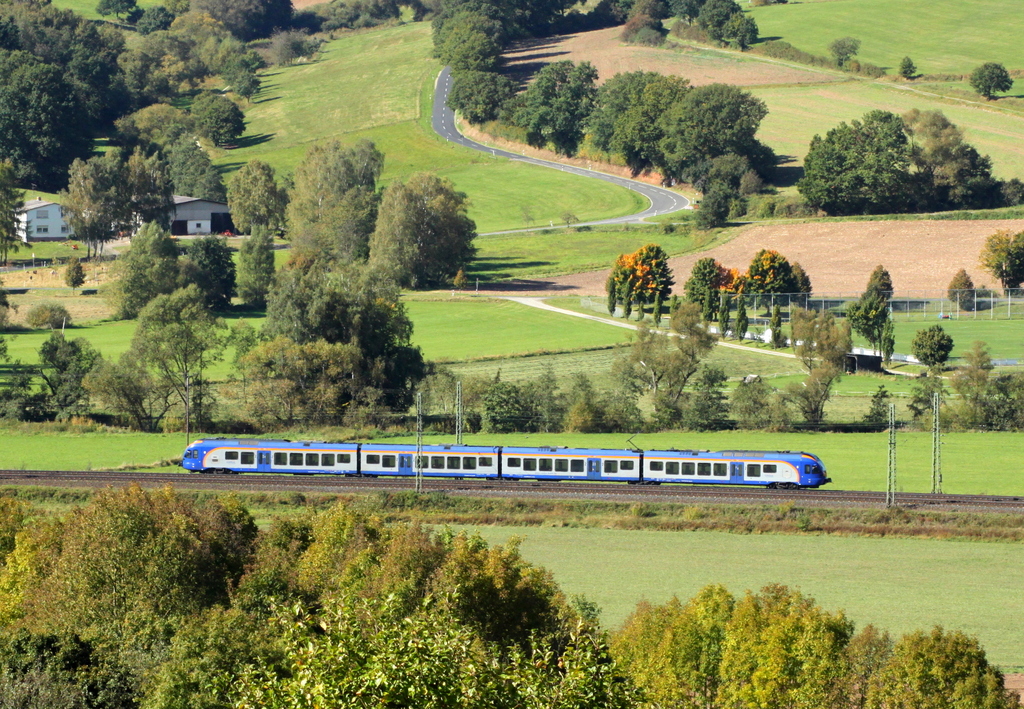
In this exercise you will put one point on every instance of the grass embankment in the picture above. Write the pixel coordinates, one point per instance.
(378, 85)
(941, 36)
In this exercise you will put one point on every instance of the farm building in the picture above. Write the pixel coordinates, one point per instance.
(193, 215)
(42, 220)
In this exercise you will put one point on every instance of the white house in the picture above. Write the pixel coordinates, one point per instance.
(193, 215)
(42, 220)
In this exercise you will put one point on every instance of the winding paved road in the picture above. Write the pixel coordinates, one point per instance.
(443, 121)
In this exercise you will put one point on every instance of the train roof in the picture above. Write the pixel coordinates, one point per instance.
(267, 442)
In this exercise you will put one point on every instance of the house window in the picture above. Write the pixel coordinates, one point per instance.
(42, 230)
(199, 225)
(64, 229)
(42, 214)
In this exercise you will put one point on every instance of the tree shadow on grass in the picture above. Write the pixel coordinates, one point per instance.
(249, 141)
(787, 174)
(493, 268)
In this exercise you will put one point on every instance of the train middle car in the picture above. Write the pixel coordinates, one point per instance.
(776, 469)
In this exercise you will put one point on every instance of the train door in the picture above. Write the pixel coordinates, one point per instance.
(263, 461)
(405, 465)
(594, 468)
(736, 473)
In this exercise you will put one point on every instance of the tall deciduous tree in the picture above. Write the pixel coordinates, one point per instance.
(11, 200)
(932, 346)
(844, 49)
(479, 95)
(770, 272)
(42, 130)
(991, 78)
(179, 338)
(218, 118)
(1003, 257)
(333, 205)
(256, 267)
(255, 198)
(209, 265)
(555, 107)
(63, 364)
(961, 290)
(74, 274)
(710, 121)
(868, 316)
(941, 669)
(192, 172)
(423, 235)
(126, 387)
(861, 167)
(880, 283)
(149, 268)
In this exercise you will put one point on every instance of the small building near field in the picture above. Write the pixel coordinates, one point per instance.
(43, 220)
(193, 215)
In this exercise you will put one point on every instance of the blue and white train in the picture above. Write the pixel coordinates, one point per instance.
(773, 469)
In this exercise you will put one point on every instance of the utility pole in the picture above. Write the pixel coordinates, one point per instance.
(936, 447)
(890, 487)
(188, 400)
(419, 442)
(458, 413)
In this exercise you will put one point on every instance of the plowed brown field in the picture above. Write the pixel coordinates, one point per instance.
(838, 256)
(609, 56)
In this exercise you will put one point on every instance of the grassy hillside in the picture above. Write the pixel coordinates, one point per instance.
(379, 85)
(797, 112)
(897, 584)
(941, 36)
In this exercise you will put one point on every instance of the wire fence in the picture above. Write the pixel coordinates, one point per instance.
(906, 306)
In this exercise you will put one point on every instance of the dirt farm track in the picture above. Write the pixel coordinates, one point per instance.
(839, 256)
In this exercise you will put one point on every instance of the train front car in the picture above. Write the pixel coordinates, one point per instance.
(192, 459)
(771, 469)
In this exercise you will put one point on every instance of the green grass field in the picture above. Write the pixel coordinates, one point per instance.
(972, 463)
(798, 113)
(898, 584)
(87, 8)
(379, 85)
(941, 36)
(467, 328)
(558, 251)
(1005, 338)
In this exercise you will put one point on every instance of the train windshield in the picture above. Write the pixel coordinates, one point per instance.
(814, 470)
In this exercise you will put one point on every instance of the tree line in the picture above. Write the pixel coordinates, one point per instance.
(156, 600)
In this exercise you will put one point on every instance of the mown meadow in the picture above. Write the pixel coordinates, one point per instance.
(378, 85)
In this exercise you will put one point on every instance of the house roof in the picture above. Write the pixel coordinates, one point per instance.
(36, 204)
(182, 199)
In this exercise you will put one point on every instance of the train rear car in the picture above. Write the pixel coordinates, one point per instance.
(220, 455)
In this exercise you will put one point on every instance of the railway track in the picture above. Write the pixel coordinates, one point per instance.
(682, 494)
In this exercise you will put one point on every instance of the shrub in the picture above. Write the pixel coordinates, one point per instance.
(642, 29)
(48, 314)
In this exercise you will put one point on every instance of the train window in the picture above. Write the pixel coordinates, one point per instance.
(703, 468)
(561, 465)
(576, 466)
(529, 463)
(688, 468)
(372, 459)
(545, 465)
(767, 469)
(656, 466)
(388, 461)
(312, 460)
(453, 462)
(753, 470)
(722, 470)
(423, 462)
(248, 458)
(280, 458)
(468, 463)
(611, 466)
(231, 455)
(295, 459)
(344, 458)
(327, 460)
(437, 462)
(672, 468)
(514, 462)
(486, 462)
(625, 465)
